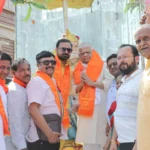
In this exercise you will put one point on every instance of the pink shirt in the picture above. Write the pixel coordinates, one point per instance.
(38, 91)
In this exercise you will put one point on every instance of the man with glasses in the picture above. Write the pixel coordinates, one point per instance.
(63, 77)
(49, 117)
(127, 98)
(5, 63)
(111, 96)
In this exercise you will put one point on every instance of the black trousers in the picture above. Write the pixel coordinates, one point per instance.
(126, 146)
(42, 145)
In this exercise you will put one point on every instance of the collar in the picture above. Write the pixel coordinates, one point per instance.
(147, 64)
(135, 73)
(19, 82)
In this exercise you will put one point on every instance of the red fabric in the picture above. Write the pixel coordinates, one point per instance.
(4, 86)
(2, 2)
(111, 111)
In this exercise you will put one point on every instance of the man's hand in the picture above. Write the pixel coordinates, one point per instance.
(135, 147)
(54, 138)
(143, 19)
(107, 129)
(86, 79)
(74, 108)
(113, 146)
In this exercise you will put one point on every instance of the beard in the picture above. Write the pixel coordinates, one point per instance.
(64, 57)
(129, 69)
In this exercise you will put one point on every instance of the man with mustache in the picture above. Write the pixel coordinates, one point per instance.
(49, 117)
(127, 99)
(5, 63)
(17, 105)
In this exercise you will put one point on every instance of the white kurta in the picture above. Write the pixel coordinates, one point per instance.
(92, 130)
(2, 138)
(18, 115)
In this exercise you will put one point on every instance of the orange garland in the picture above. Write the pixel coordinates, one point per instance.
(87, 95)
(63, 81)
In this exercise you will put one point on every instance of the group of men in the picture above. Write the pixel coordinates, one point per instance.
(26, 105)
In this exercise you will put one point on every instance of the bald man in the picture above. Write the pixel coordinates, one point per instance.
(142, 39)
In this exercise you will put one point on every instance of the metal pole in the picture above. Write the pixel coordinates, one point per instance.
(65, 12)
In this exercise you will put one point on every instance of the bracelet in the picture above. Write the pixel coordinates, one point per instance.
(52, 136)
(113, 141)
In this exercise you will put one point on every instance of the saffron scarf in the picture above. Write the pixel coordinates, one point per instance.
(2, 2)
(63, 80)
(19, 82)
(49, 81)
(87, 94)
(2, 83)
(4, 119)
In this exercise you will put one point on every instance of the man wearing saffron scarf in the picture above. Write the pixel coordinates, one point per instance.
(93, 81)
(63, 77)
(17, 105)
(44, 100)
(5, 62)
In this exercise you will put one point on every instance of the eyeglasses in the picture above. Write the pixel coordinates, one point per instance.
(123, 57)
(47, 62)
(64, 49)
(113, 64)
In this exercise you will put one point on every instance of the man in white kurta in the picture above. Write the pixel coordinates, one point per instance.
(91, 130)
(19, 117)
(5, 62)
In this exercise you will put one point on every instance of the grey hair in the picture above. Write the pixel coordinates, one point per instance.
(83, 45)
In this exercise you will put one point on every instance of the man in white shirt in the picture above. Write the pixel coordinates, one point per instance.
(18, 114)
(93, 81)
(114, 71)
(43, 100)
(5, 63)
(127, 98)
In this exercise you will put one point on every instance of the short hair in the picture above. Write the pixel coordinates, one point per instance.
(43, 54)
(85, 44)
(133, 48)
(110, 57)
(5, 56)
(17, 62)
(62, 41)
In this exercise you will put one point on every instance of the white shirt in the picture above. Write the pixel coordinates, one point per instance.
(126, 111)
(38, 91)
(18, 116)
(4, 100)
(111, 97)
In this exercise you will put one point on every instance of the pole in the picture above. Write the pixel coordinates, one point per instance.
(65, 13)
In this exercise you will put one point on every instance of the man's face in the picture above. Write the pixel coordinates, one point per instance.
(4, 69)
(113, 67)
(64, 51)
(47, 65)
(85, 54)
(23, 72)
(142, 40)
(126, 61)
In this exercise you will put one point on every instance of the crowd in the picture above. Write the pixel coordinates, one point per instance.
(112, 109)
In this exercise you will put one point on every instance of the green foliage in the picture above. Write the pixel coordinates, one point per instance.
(30, 3)
(133, 4)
